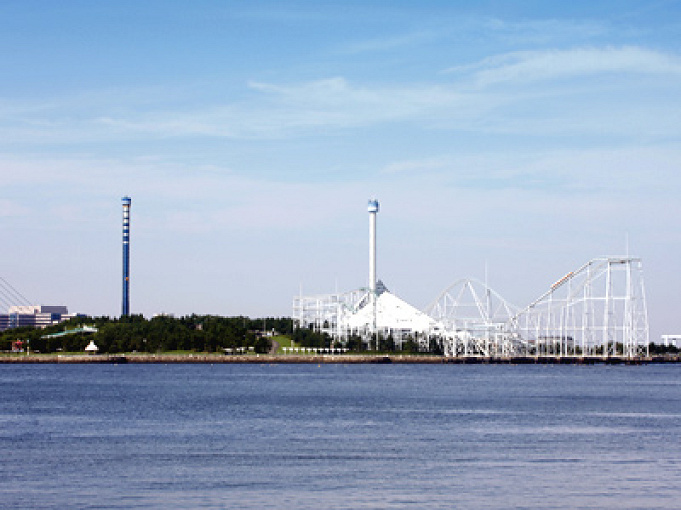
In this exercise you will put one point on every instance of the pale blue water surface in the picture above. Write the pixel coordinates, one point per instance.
(340, 436)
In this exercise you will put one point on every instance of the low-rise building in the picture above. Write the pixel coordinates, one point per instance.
(35, 316)
(671, 340)
(4, 321)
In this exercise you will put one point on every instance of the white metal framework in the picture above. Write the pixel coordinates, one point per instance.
(475, 319)
(365, 314)
(597, 310)
(323, 312)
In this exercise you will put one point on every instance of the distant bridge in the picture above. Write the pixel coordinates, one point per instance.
(9, 296)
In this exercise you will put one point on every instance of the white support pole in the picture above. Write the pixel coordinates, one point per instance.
(606, 312)
(373, 208)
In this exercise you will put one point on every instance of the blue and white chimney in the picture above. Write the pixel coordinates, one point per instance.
(125, 310)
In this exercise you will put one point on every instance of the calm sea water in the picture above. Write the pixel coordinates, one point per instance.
(335, 436)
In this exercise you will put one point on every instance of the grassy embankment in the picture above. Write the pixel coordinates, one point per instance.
(282, 340)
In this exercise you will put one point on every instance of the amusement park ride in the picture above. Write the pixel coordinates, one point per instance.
(597, 310)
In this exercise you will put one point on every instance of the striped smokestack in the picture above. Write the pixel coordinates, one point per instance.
(125, 310)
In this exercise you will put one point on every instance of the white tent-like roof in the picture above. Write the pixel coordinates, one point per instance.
(391, 313)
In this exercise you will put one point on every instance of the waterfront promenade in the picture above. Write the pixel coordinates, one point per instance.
(332, 359)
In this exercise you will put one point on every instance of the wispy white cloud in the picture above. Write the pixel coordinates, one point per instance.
(276, 111)
(335, 102)
(528, 66)
(540, 32)
(623, 171)
(493, 95)
(524, 33)
(213, 199)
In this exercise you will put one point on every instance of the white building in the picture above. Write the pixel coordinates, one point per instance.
(389, 316)
(671, 340)
(36, 316)
(357, 314)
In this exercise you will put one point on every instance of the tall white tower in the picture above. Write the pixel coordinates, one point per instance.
(373, 209)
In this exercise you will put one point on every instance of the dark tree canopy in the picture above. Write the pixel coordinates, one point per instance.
(201, 333)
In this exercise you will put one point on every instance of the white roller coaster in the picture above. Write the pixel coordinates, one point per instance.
(596, 310)
(599, 309)
(474, 319)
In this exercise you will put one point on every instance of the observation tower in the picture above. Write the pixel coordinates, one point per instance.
(373, 210)
(125, 309)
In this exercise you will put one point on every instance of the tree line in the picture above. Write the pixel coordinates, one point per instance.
(194, 333)
(307, 337)
(200, 333)
(207, 333)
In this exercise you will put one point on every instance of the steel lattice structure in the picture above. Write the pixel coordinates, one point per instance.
(323, 312)
(599, 309)
(474, 318)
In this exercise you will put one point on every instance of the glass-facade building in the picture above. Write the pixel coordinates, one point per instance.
(36, 316)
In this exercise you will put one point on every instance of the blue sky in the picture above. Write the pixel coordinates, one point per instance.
(526, 136)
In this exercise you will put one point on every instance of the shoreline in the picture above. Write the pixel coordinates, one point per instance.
(331, 359)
